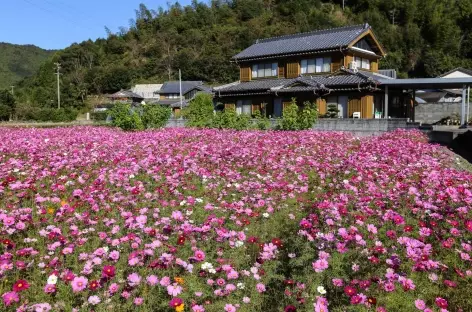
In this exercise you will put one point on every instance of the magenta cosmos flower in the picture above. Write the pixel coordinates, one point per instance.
(20, 285)
(10, 297)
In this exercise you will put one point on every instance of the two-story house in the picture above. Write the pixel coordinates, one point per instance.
(334, 66)
(170, 94)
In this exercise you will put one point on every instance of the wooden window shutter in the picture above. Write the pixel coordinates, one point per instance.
(281, 70)
(245, 73)
(374, 66)
(255, 108)
(285, 105)
(293, 69)
(354, 105)
(322, 107)
(366, 108)
(230, 106)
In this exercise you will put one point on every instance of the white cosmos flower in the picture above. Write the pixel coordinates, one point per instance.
(265, 215)
(52, 279)
(321, 290)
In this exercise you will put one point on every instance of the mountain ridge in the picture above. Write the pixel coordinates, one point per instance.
(19, 61)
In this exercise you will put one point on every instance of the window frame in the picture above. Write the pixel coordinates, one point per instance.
(317, 65)
(260, 70)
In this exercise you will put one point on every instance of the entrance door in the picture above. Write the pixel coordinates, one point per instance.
(342, 106)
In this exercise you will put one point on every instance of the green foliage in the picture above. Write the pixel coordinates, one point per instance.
(5, 112)
(19, 61)
(155, 116)
(6, 98)
(125, 118)
(44, 114)
(199, 113)
(289, 120)
(260, 122)
(99, 115)
(307, 116)
(333, 111)
(296, 118)
(229, 119)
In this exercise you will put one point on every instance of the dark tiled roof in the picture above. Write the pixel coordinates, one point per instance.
(305, 42)
(345, 78)
(173, 102)
(125, 94)
(174, 87)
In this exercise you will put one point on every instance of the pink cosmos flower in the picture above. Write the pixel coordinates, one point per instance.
(174, 290)
(230, 308)
(198, 308)
(94, 300)
(260, 288)
(152, 280)
(50, 288)
(199, 255)
(138, 301)
(420, 304)
(134, 279)
(320, 265)
(79, 283)
(10, 297)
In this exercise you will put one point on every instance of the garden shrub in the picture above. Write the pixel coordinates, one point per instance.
(295, 118)
(155, 116)
(125, 118)
(229, 119)
(99, 115)
(200, 112)
(45, 114)
(333, 111)
(260, 122)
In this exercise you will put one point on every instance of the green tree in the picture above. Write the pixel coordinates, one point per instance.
(155, 116)
(124, 117)
(200, 112)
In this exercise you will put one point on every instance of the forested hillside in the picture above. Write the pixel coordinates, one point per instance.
(422, 37)
(19, 61)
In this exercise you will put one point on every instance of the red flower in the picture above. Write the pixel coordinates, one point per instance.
(277, 242)
(290, 308)
(108, 271)
(20, 285)
(468, 225)
(175, 302)
(441, 302)
(93, 285)
(350, 291)
(372, 300)
(181, 240)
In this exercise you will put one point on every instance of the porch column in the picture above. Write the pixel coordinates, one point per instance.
(464, 98)
(413, 108)
(386, 103)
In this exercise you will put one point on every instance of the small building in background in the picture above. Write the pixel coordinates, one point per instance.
(148, 91)
(170, 94)
(126, 96)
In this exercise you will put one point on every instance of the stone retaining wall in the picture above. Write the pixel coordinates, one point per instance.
(434, 112)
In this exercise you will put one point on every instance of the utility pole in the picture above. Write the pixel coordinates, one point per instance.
(343, 4)
(58, 73)
(180, 87)
(13, 90)
(392, 14)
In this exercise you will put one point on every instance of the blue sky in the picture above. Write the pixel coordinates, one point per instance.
(55, 24)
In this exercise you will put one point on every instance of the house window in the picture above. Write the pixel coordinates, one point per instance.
(264, 70)
(318, 65)
(173, 96)
(244, 107)
(362, 62)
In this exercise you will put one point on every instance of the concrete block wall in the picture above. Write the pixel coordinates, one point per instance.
(434, 112)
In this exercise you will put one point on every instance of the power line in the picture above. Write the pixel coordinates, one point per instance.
(66, 18)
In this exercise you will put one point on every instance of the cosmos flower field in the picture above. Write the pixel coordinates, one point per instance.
(95, 219)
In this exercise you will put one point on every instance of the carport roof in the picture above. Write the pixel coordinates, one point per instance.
(426, 83)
